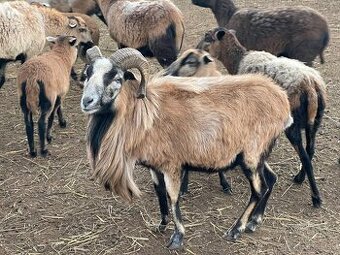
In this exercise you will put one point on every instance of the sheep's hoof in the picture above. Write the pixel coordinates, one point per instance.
(44, 153)
(49, 138)
(62, 124)
(317, 201)
(300, 177)
(33, 154)
(228, 190)
(232, 235)
(163, 224)
(176, 241)
(251, 226)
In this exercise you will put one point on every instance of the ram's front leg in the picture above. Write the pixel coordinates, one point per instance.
(158, 182)
(173, 184)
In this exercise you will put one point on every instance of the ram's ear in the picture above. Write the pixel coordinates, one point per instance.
(129, 76)
(219, 34)
(72, 22)
(51, 39)
(72, 40)
(232, 31)
(207, 59)
(93, 53)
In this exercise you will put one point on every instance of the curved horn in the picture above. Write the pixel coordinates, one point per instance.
(131, 58)
(93, 53)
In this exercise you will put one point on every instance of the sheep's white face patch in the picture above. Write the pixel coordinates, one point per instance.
(101, 86)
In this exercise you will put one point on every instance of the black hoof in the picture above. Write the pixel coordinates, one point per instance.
(251, 226)
(161, 228)
(62, 124)
(232, 235)
(44, 153)
(317, 201)
(299, 178)
(49, 138)
(176, 241)
(33, 154)
(228, 191)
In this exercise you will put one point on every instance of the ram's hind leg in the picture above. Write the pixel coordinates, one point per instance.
(173, 184)
(51, 118)
(185, 181)
(159, 185)
(255, 178)
(3, 63)
(61, 119)
(270, 179)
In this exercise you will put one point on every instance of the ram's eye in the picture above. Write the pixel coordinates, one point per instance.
(82, 30)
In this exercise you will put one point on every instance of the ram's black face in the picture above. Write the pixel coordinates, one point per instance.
(102, 85)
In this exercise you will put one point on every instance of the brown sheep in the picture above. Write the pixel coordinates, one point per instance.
(305, 88)
(43, 82)
(155, 28)
(164, 126)
(294, 32)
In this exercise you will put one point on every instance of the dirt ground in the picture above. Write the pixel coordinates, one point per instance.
(50, 206)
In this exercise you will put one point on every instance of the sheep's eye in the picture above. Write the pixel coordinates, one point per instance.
(82, 30)
(191, 61)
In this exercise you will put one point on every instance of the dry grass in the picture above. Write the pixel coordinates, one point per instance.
(50, 206)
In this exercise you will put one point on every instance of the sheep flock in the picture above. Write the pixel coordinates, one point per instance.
(241, 97)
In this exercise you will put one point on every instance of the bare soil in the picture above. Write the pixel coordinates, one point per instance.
(50, 206)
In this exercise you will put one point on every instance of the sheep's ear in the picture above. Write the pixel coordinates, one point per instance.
(207, 59)
(219, 34)
(129, 76)
(232, 31)
(72, 22)
(93, 53)
(72, 40)
(51, 39)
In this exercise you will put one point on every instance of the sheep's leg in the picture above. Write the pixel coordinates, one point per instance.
(173, 184)
(270, 179)
(74, 75)
(42, 134)
(50, 120)
(159, 185)
(30, 133)
(185, 181)
(255, 178)
(3, 63)
(295, 138)
(224, 183)
(62, 121)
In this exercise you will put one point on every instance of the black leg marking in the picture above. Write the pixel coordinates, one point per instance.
(255, 179)
(3, 63)
(268, 183)
(294, 136)
(159, 185)
(185, 181)
(74, 75)
(45, 107)
(29, 125)
(173, 185)
(50, 120)
(224, 183)
(62, 121)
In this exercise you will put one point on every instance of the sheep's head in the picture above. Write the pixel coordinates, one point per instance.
(193, 62)
(204, 3)
(106, 76)
(65, 42)
(218, 41)
(78, 28)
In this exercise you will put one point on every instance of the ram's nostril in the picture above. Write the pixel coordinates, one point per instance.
(87, 101)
